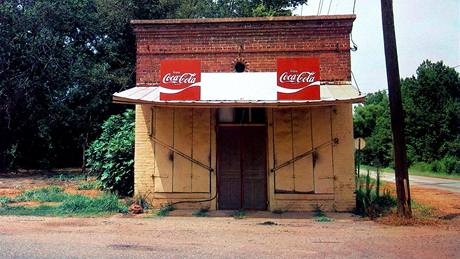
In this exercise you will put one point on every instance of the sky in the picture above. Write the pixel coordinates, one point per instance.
(425, 29)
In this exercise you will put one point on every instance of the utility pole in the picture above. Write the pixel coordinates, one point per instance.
(396, 110)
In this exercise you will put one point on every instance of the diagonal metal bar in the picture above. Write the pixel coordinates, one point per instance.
(308, 153)
(157, 141)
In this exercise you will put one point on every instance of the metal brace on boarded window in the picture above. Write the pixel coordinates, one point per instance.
(312, 152)
(189, 158)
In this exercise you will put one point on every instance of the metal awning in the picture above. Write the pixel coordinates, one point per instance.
(243, 90)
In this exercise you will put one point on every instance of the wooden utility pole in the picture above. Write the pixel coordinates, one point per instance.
(396, 110)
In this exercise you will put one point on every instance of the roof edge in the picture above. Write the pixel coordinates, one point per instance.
(351, 17)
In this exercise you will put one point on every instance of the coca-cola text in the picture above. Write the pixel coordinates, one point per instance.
(304, 77)
(185, 78)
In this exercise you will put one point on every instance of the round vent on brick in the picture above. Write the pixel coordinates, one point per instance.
(239, 66)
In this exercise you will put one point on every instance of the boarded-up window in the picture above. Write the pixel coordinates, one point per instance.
(187, 131)
(297, 132)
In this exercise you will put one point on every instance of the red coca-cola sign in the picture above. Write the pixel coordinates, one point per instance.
(180, 80)
(298, 79)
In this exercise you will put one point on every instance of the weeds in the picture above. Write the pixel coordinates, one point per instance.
(47, 194)
(203, 212)
(320, 216)
(239, 214)
(165, 210)
(69, 177)
(4, 200)
(422, 211)
(89, 185)
(369, 201)
(142, 201)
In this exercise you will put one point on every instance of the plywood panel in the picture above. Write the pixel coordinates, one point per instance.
(284, 180)
(302, 142)
(201, 149)
(163, 165)
(321, 130)
(182, 169)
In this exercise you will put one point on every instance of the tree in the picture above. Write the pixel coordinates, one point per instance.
(372, 122)
(61, 60)
(431, 101)
(432, 105)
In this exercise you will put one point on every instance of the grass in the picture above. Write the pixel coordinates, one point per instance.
(4, 200)
(89, 185)
(69, 177)
(421, 210)
(416, 170)
(370, 201)
(203, 212)
(69, 204)
(47, 194)
(164, 211)
(320, 216)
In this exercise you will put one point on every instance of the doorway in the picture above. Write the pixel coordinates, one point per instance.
(242, 165)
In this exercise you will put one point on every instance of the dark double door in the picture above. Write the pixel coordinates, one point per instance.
(242, 174)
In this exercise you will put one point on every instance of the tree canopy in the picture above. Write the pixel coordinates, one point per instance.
(431, 101)
(61, 60)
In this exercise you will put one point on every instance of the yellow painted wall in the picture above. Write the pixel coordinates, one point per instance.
(162, 175)
(327, 181)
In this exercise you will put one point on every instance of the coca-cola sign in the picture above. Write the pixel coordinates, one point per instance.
(298, 79)
(180, 80)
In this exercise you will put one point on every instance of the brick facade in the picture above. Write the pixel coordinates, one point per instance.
(218, 43)
(257, 42)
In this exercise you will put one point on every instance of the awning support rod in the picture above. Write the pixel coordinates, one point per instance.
(189, 158)
(309, 152)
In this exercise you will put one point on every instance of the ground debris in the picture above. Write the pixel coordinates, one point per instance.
(268, 223)
(135, 209)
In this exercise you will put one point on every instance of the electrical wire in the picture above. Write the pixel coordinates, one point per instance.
(320, 7)
(356, 83)
(329, 9)
(355, 46)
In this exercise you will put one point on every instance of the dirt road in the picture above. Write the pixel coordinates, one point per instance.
(190, 237)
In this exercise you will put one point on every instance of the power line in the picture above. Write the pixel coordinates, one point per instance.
(329, 9)
(356, 83)
(355, 46)
(320, 7)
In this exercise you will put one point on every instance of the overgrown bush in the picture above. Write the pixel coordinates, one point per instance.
(111, 156)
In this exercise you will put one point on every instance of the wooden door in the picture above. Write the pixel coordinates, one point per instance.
(229, 168)
(242, 180)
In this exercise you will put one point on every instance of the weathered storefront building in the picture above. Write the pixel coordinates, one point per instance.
(252, 113)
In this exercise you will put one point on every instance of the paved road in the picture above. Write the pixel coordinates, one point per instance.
(423, 181)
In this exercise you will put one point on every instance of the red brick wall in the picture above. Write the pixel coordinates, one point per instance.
(257, 41)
